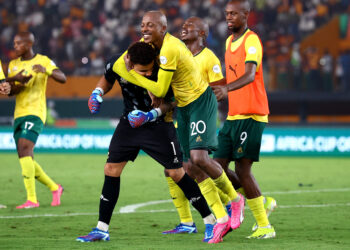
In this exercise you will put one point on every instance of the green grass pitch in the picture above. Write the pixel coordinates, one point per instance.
(313, 197)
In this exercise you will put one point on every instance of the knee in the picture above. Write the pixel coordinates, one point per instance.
(176, 174)
(198, 159)
(24, 149)
(112, 170)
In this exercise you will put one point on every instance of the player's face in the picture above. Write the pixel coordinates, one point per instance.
(144, 70)
(236, 17)
(152, 31)
(20, 45)
(190, 30)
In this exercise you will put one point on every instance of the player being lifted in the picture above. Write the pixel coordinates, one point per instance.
(158, 138)
(28, 76)
(196, 113)
(240, 137)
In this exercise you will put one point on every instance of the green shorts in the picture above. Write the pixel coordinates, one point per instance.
(240, 139)
(28, 127)
(196, 124)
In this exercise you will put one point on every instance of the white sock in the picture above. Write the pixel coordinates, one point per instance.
(102, 226)
(210, 219)
(223, 219)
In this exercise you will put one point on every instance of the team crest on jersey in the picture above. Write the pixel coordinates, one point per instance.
(240, 150)
(198, 139)
(216, 68)
(163, 60)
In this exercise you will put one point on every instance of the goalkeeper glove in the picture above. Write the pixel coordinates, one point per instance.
(137, 117)
(95, 100)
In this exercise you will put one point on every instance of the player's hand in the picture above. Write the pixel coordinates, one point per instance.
(137, 118)
(21, 77)
(39, 69)
(156, 101)
(5, 88)
(220, 92)
(95, 101)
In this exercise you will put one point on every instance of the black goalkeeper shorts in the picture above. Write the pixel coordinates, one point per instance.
(157, 139)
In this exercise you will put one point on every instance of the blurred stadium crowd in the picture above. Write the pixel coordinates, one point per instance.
(80, 35)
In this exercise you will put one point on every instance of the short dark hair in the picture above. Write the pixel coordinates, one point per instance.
(142, 53)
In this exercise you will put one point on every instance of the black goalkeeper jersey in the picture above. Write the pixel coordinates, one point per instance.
(134, 96)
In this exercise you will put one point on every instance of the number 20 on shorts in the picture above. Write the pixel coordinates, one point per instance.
(198, 127)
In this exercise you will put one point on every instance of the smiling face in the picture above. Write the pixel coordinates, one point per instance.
(190, 30)
(153, 27)
(236, 13)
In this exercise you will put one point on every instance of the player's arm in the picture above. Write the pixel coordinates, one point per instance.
(218, 83)
(58, 76)
(253, 60)
(47, 66)
(5, 87)
(248, 77)
(103, 86)
(21, 80)
(159, 88)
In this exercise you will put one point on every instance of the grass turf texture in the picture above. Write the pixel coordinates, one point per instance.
(314, 227)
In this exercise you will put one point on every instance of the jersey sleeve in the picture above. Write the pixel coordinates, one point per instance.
(214, 68)
(253, 50)
(168, 59)
(110, 75)
(49, 65)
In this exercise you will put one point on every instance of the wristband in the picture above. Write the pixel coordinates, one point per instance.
(100, 90)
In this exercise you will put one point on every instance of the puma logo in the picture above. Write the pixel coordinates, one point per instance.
(233, 69)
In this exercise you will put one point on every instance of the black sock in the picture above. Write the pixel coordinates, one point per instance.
(194, 195)
(109, 197)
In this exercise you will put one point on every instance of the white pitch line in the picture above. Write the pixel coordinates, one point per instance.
(132, 208)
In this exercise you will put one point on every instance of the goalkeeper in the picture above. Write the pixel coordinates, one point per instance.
(156, 138)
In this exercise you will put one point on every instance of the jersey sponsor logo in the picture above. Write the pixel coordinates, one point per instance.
(233, 69)
(216, 68)
(163, 60)
(252, 50)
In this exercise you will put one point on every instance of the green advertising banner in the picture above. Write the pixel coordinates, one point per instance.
(286, 141)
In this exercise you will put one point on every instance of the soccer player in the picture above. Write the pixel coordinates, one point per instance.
(28, 75)
(240, 137)
(194, 34)
(157, 138)
(196, 113)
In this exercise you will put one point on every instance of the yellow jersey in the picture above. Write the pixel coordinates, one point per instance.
(32, 99)
(209, 65)
(2, 75)
(186, 82)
